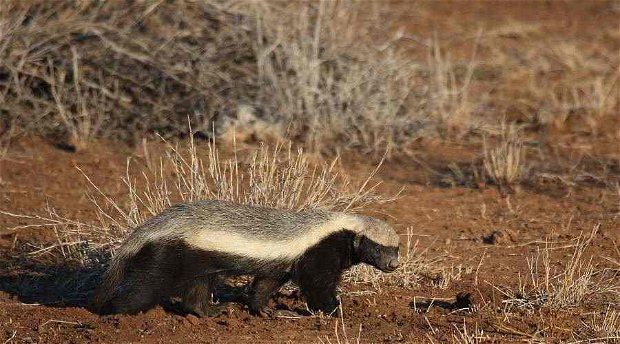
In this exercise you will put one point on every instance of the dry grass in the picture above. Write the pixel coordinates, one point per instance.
(601, 326)
(5, 141)
(344, 90)
(555, 82)
(341, 335)
(326, 89)
(75, 65)
(579, 281)
(604, 327)
(504, 161)
(451, 100)
(468, 336)
(81, 111)
(276, 177)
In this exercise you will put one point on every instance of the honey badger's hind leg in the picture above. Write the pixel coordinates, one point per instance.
(141, 291)
(263, 287)
(134, 300)
(197, 298)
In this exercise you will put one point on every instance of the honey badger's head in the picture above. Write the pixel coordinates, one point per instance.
(377, 245)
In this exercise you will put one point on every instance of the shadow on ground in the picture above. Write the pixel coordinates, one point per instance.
(54, 286)
(64, 286)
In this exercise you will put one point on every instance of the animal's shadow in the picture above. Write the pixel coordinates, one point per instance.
(67, 286)
(54, 286)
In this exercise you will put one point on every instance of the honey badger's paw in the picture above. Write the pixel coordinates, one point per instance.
(287, 314)
(204, 309)
(263, 312)
(215, 310)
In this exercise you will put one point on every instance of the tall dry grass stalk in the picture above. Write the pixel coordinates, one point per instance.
(451, 100)
(81, 111)
(468, 336)
(606, 326)
(341, 335)
(503, 162)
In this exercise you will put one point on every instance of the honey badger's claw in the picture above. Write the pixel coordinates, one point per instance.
(211, 311)
(266, 312)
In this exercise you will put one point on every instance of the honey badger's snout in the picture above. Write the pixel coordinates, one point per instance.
(393, 264)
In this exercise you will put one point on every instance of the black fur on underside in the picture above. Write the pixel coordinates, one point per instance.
(174, 269)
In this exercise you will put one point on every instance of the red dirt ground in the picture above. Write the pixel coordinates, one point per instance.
(449, 222)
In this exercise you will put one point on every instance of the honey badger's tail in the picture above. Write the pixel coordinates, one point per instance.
(164, 226)
(113, 276)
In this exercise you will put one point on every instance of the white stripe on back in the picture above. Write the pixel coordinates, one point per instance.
(289, 249)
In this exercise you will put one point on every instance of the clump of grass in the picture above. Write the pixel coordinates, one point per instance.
(577, 282)
(81, 111)
(465, 336)
(472, 175)
(503, 162)
(605, 326)
(451, 101)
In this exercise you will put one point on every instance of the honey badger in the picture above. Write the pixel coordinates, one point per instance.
(181, 251)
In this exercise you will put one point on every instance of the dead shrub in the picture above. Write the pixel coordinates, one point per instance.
(83, 69)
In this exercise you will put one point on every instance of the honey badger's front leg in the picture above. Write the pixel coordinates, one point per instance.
(197, 298)
(318, 271)
(262, 289)
(320, 291)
